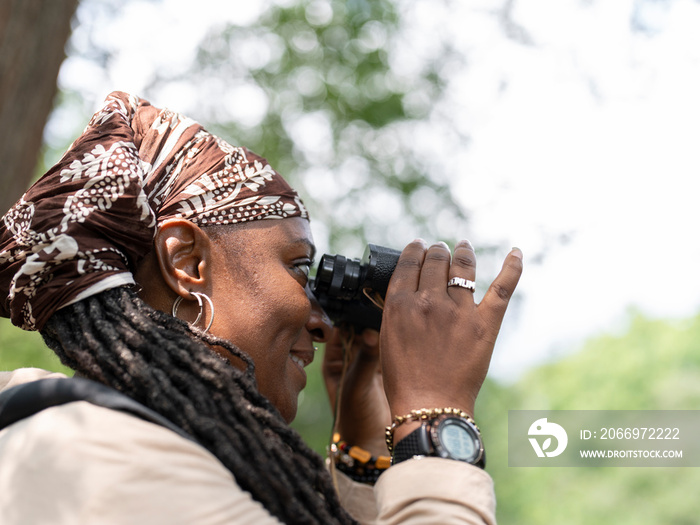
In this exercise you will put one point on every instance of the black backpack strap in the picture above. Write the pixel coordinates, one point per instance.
(25, 400)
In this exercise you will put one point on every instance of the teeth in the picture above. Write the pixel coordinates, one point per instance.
(298, 361)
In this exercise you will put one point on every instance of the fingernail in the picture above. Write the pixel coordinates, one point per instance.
(517, 252)
(422, 242)
(467, 243)
(444, 244)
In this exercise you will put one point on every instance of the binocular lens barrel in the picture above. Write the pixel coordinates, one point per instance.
(338, 276)
(342, 285)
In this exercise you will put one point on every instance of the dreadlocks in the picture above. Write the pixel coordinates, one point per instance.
(68, 250)
(115, 338)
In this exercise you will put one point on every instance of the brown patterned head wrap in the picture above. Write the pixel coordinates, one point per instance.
(85, 225)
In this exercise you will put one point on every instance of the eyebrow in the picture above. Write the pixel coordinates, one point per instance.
(306, 242)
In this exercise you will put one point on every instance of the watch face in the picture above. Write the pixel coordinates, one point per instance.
(458, 440)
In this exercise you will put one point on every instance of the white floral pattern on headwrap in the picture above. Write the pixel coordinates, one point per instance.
(85, 225)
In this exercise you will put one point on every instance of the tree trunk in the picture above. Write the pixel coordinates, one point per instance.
(33, 35)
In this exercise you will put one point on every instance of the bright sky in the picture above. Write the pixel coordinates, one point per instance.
(596, 135)
(590, 132)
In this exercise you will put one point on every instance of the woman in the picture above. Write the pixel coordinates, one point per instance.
(149, 245)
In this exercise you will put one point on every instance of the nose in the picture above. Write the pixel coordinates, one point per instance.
(319, 324)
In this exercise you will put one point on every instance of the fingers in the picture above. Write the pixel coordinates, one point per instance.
(498, 295)
(365, 360)
(333, 355)
(423, 268)
(464, 267)
(363, 353)
(408, 269)
(436, 268)
(332, 367)
(369, 344)
(459, 334)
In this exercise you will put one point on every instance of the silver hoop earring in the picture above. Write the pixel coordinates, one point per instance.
(198, 296)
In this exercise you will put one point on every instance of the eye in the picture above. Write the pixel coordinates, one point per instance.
(303, 268)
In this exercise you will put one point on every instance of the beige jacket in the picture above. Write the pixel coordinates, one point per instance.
(83, 464)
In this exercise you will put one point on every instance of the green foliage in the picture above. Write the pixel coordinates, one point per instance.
(19, 349)
(655, 365)
(314, 419)
(341, 119)
(342, 115)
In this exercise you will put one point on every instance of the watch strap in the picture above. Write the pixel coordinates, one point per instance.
(418, 443)
(414, 444)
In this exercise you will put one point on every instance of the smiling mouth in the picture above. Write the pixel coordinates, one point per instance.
(299, 361)
(302, 358)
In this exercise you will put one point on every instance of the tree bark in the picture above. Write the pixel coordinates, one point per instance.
(33, 35)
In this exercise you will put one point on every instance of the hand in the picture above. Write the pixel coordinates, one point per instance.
(436, 341)
(363, 410)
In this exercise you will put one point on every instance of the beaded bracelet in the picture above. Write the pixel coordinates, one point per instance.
(357, 463)
(422, 414)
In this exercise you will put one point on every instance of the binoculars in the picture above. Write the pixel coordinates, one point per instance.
(352, 291)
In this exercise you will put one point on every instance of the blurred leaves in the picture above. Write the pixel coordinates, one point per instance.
(347, 99)
(654, 366)
(341, 99)
(20, 349)
(330, 93)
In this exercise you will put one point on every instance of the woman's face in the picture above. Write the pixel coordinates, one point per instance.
(263, 303)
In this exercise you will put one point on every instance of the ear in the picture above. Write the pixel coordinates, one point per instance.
(183, 252)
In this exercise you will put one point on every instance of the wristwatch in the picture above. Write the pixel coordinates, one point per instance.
(446, 436)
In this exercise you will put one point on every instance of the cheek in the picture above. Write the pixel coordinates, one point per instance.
(299, 308)
(262, 312)
(283, 301)
(268, 322)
